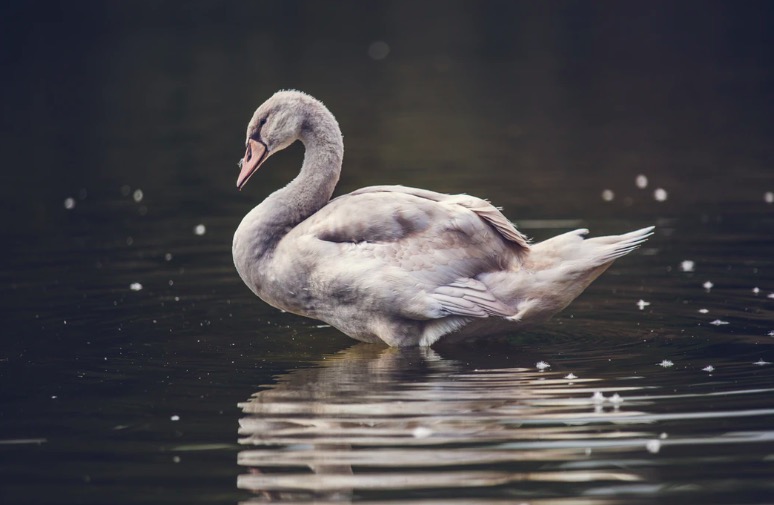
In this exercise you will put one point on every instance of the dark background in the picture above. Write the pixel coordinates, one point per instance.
(538, 106)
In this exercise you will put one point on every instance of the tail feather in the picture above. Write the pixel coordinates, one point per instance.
(612, 247)
(572, 250)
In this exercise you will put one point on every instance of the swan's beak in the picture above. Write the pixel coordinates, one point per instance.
(255, 154)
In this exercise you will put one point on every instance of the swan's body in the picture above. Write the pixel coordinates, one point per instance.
(394, 264)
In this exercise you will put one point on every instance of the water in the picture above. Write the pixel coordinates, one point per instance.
(136, 368)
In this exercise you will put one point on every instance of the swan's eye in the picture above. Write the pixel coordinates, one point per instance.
(263, 121)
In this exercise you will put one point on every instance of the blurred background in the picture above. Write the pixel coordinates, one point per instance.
(121, 124)
(531, 102)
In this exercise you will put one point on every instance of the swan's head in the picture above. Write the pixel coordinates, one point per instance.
(276, 124)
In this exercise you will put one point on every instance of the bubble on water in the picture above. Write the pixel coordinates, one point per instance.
(69, 203)
(171, 282)
(756, 290)
(174, 418)
(176, 459)
(616, 399)
(598, 397)
(642, 304)
(770, 295)
(137, 195)
(200, 229)
(653, 446)
(768, 197)
(378, 50)
(760, 362)
(168, 257)
(718, 322)
(542, 365)
(687, 265)
(703, 311)
(666, 363)
(135, 286)
(570, 376)
(660, 195)
(708, 285)
(641, 181)
(608, 195)
(709, 368)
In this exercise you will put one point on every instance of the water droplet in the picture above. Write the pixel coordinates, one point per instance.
(653, 446)
(660, 195)
(719, 322)
(642, 304)
(200, 229)
(608, 195)
(542, 365)
(137, 195)
(616, 399)
(708, 285)
(666, 363)
(760, 362)
(687, 265)
(598, 397)
(378, 50)
(570, 376)
(176, 459)
(756, 290)
(641, 181)
(174, 418)
(168, 257)
(135, 286)
(703, 311)
(709, 368)
(768, 197)
(421, 432)
(69, 203)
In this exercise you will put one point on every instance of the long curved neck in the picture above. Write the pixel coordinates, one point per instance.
(264, 226)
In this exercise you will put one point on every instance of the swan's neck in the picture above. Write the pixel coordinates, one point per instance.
(264, 226)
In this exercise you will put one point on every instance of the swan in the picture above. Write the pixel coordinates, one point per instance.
(394, 264)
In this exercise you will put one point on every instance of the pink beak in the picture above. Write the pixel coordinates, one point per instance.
(255, 155)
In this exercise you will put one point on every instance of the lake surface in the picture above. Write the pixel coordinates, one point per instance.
(136, 368)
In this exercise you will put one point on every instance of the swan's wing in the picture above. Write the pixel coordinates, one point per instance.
(469, 297)
(482, 208)
(423, 249)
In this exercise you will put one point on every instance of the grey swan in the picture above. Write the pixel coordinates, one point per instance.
(395, 264)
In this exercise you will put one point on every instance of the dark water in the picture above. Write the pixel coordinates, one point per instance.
(187, 389)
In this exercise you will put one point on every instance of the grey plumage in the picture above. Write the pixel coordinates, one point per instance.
(394, 264)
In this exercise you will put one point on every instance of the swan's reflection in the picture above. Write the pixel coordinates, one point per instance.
(384, 419)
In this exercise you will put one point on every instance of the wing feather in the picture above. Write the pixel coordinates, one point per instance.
(482, 208)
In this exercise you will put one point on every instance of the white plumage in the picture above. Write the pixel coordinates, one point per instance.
(394, 264)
